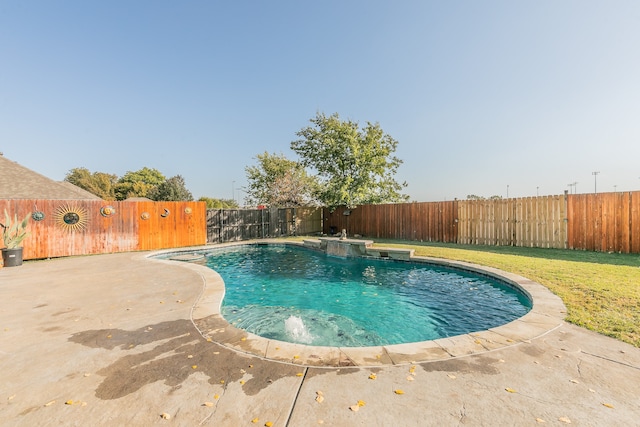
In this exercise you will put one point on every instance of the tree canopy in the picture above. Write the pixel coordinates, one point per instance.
(171, 190)
(146, 182)
(98, 183)
(219, 203)
(138, 183)
(280, 182)
(354, 166)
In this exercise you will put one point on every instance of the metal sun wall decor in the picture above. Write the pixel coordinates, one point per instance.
(37, 215)
(71, 218)
(107, 211)
(145, 215)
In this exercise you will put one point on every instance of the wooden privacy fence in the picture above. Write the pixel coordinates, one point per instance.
(605, 222)
(230, 225)
(427, 221)
(80, 227)
(597, 222)
(531, 221)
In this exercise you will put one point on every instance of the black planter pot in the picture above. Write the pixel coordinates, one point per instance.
(12, 257)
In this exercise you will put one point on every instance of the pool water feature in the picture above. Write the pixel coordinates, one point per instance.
(293, 294)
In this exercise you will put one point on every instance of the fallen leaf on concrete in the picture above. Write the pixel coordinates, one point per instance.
(361, 403)
(69, 402)
(540, 420)
(296, 357)
(574, 381)
(50, 403)
(216, 396)
(87, 374)
(510, 390)
(398, 391)
(354, 408)
(319, 398)
(453, 377)
(194, 366)
(299, 374)
(109, 336)
(372, 377)
(165, 416)
(241, 382)
(268, 424)
(255, 420)
(410, 378)
(501, 360)
(208, 404)
(242, 371)
(251, 366)
(221, 381)
(592, 390)
(608, 405)
(565, 420)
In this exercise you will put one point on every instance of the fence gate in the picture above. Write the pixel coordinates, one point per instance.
(231, 225)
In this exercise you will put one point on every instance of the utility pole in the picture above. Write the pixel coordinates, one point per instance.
(595, 182)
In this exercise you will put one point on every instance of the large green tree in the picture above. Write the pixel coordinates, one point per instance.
(171, 190)
(98, 183)
(279, 182)
(354, 166)
(138, 183)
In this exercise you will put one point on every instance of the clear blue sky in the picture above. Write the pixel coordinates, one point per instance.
(480, 95)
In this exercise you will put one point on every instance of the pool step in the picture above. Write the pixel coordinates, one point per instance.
(391, 253)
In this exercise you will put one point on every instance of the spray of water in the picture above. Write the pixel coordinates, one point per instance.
(297, 331)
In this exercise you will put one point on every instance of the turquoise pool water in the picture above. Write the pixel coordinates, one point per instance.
(298, 295)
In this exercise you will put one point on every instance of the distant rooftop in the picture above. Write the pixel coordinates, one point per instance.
(19, 182)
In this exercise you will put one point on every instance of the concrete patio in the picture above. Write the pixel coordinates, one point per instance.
(120, 339)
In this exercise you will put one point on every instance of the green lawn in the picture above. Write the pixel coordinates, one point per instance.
(601, 290)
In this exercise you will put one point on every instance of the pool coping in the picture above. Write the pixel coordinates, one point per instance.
(547, 313)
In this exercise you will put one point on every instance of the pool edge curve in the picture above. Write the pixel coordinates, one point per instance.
(547, 313)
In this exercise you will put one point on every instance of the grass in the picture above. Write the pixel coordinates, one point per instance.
(601, 290)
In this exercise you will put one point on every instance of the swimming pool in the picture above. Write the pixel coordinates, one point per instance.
(293, 294)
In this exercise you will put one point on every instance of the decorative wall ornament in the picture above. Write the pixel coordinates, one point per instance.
(37, 216)
(166, 213)
(145, 215)
(187, 210)
(107, 210)
(71, 218)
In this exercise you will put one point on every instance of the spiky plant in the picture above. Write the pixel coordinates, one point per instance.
(14, 232)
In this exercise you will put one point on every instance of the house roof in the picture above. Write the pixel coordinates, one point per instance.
(19, 182)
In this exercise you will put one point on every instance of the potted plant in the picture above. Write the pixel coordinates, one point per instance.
(13, 233)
